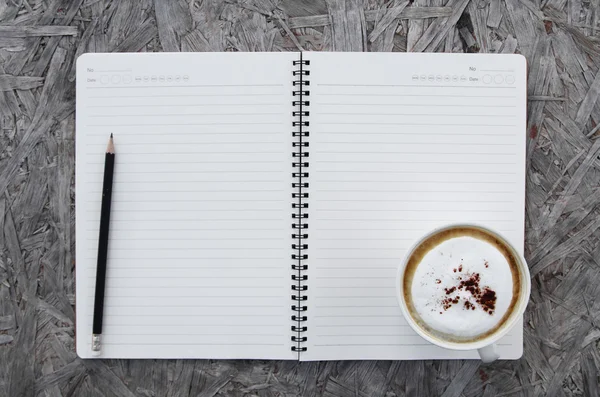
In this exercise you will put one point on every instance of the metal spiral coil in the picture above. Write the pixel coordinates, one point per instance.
(299, 246)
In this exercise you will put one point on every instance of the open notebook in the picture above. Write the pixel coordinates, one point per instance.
(263, 201)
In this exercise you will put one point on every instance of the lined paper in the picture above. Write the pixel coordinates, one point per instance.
(198, 262)
(401, 144)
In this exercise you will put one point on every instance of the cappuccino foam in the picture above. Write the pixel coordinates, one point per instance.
(463, 288)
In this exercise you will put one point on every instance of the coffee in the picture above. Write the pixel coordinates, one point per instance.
(461, 284)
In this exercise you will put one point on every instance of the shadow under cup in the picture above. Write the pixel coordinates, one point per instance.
(424, 245)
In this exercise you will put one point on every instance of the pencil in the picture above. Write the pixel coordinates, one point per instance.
(109, 165)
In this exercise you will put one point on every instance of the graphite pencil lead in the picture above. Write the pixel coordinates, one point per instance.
(111, 146)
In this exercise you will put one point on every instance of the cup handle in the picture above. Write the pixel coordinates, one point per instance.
(488, 353)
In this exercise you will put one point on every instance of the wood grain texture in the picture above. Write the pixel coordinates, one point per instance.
(39, 44)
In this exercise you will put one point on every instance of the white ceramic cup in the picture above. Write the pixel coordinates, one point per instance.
(486, 347)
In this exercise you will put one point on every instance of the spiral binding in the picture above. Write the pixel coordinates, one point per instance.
(299, 218)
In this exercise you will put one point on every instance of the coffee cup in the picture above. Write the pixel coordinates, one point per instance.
(463, 287)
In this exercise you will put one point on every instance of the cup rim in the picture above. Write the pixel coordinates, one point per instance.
(491, 339)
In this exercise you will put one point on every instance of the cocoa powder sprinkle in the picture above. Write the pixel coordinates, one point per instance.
(487, 300)
(484, 297)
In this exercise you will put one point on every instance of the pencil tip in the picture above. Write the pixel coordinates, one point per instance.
(111, 146)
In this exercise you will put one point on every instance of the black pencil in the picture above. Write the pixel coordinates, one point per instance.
(109, 165)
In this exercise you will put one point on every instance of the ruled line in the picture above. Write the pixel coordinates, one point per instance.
(163, 258)
(193, 172)
(195, 229)
(446, 200)
(196, 267)
(504, 231)
(191, 315)
(355, 267)
(195, 306)
(363, 239)
(179, 124)
(177, 192)
(401, 219)
(181, 95)
(188, 287)
(422, 172)
(338, 335)
(203, 153)
(417, 95)
(372, 344)
(346, 287)
(426, 124)
(355, 161)
(421, 143)
(352, 306)
(193, 239)
(359, 325)
(413, 210)
(139, 277)
(397, 133)
(410, 85)
(197, 162)
(195, 133)
(189, 344)
(195, 296)
(171, 334)
(361, 258)
(151, 211)
(186, 181)
(188, 86)
(184, 114)
(247, 152)
(355, 296)
(168, 144)
(357, 315)
(187, 220)
(413, 114)
(414, 152)
(349, 278)
(206, 191)
(184, 105)
(415, 104)
(192, 249)
(357, 249)
(419, 191)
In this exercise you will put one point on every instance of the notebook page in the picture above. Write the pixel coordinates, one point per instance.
(198, 261)
(400, 144)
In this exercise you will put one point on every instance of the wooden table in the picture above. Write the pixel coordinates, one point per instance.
(39, 42)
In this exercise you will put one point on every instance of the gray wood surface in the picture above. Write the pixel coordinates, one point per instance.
(39, 43)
